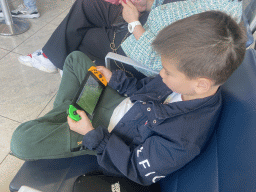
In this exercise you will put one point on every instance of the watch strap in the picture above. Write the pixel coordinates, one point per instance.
(132, 25)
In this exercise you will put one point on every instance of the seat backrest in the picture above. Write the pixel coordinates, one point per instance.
(236, 133)
(228, 163)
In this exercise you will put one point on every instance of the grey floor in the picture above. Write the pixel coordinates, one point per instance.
(26, 93)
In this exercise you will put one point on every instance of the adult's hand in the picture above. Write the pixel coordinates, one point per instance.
(130, 12)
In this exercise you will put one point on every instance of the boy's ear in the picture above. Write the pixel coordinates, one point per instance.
(203, 86)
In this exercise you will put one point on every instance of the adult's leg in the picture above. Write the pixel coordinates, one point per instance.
(50, 137)
(31, 4)
(84, 15)
(96, 44)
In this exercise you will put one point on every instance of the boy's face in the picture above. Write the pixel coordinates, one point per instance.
(176, 80)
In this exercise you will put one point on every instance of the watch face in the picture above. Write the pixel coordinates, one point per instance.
(130, 28)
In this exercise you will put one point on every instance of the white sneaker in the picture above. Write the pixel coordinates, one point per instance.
(23, 12)
(38, 60)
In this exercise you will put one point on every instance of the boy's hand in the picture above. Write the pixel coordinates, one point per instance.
(106, 72)
(83, 126)
(130, 12)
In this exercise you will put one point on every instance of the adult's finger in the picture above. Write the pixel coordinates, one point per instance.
(128, 2)
(124, 3)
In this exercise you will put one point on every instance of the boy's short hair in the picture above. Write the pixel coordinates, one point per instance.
(210, 44)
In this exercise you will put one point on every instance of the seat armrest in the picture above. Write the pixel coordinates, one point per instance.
(125, 60)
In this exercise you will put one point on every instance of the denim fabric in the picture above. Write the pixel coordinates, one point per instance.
(31, 4)
(249, 14)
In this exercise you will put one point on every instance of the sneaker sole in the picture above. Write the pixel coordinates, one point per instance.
(24, 16)
(27, 16)
(46, 70)
(41, 68)
(25, 63)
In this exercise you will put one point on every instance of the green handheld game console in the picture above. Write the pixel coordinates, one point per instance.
(88, 95)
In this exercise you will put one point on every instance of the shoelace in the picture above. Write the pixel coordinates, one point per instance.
(39, 53)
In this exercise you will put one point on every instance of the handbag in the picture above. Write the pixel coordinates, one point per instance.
(103, 183)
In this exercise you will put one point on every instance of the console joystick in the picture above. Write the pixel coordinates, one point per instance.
(73, 114)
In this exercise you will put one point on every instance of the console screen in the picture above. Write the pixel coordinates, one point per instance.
(90, 95)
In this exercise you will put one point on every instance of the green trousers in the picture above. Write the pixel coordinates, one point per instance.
(49, 137)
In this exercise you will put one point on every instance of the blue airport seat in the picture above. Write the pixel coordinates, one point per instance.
(229, 161)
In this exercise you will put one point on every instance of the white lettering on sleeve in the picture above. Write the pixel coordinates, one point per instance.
(150, 174)
(139, 151)
(157, 177)
(143, 163)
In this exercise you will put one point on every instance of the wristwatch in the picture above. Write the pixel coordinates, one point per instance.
(132, 25)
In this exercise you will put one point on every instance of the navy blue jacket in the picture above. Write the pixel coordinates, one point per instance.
(153, 139)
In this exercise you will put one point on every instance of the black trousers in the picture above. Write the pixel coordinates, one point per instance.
(89, 27)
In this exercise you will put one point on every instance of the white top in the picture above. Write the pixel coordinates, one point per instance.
(174, 97)
(119, 112)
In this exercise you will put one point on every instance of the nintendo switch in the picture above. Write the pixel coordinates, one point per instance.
(88, 95)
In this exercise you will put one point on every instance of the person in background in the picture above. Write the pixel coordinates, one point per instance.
(26, 10)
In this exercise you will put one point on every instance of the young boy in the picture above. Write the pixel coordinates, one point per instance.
(163, 123)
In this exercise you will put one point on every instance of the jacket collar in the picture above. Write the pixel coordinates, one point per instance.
(163, 111)
(155, 91)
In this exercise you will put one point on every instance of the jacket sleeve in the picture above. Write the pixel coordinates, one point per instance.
(126, 85)
(145, 164)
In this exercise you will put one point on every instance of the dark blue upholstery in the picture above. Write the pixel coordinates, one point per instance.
(229, 161)
(237, 130)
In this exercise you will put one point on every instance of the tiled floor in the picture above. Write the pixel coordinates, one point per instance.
(26, 93)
